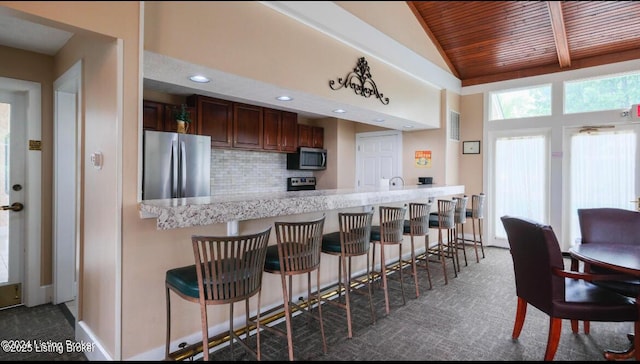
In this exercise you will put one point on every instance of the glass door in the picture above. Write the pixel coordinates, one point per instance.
(11, 213)
(603, 170)
(519, 180)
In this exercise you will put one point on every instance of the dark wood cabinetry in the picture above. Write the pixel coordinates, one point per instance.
(159, 116)
(215, 119)
(152, 115)
(247, 126)
(310, 136)
(280, 130)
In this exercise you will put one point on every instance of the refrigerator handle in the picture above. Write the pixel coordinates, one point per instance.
(174, 169)
(183, 169)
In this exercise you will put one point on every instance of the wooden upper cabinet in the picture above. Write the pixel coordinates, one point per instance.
(280, 130)
(304, 135)
(214, 118)
(310, 136)
(289, 135)
(152, 115)
(317, 137)
(247, 126)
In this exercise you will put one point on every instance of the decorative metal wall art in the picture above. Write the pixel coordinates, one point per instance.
(360, 81)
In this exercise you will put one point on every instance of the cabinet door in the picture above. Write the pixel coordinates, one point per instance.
(170, 120)
(289, 132)
(304, 135)
(152, 115)
(214, 118)
(247, 126)
(317, 137)
(272, 121)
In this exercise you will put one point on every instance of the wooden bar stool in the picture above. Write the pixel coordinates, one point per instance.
(298, 251)
(444, 221)
(227, 269)
(389, 232)
(418, 225)
(352, 240)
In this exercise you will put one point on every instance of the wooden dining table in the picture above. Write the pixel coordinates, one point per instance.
(623, 258)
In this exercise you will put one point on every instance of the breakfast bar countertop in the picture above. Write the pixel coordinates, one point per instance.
(195, 211)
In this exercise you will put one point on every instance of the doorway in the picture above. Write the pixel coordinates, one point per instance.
(378, 156)
(21, 183)
(66, 174)
(603, 170)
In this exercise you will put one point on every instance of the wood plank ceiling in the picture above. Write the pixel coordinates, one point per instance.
(489, 41)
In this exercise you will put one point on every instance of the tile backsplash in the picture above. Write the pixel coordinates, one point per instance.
(243, 171)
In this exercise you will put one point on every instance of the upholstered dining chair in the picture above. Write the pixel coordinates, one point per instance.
(542, 281)
(297, 252)
(227, 269)
(390, 232)
(416, 226)
(352, 240)
(444, 248)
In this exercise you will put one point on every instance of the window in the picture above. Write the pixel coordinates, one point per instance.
(520, 103)
(603, 93)
(454, 125)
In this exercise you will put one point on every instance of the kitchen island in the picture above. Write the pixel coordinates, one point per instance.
(196, 211)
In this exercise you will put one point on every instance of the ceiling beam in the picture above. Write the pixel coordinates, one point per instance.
(559, 33)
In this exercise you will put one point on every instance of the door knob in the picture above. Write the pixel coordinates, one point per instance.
(16, 206)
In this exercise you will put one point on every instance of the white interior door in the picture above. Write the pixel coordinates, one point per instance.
(12, 180)
(378, 156)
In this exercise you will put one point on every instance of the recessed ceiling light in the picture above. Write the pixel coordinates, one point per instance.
(199, 79)
(284, 98)
(340, 111)
(408, 126)
(378, 120)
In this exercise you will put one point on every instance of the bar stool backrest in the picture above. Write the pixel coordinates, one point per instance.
(299, 245)
(229, 268)
(419, 217)
(446, 214)
(477, 206)
(461, 209)
(355, 232)
(392, 223)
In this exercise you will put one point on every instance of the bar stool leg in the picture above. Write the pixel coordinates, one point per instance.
(413, 266)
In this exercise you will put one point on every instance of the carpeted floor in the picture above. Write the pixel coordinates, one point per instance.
(41, 333)
(470, 319)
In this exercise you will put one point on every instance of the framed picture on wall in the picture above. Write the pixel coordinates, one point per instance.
(471, 147)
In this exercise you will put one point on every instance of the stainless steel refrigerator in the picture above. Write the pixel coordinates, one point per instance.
(175, 165)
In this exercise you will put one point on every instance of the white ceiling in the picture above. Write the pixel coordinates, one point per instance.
(169, 75)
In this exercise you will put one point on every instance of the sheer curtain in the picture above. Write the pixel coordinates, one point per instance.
(520, 179)
(603, 172)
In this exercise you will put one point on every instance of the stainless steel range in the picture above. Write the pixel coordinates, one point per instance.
(301, 183)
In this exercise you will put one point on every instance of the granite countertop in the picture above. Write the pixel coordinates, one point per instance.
(186, 212)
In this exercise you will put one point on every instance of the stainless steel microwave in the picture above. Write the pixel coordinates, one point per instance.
(307, 159)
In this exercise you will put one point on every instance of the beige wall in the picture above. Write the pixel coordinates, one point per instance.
(249, 39)
(471, 165)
